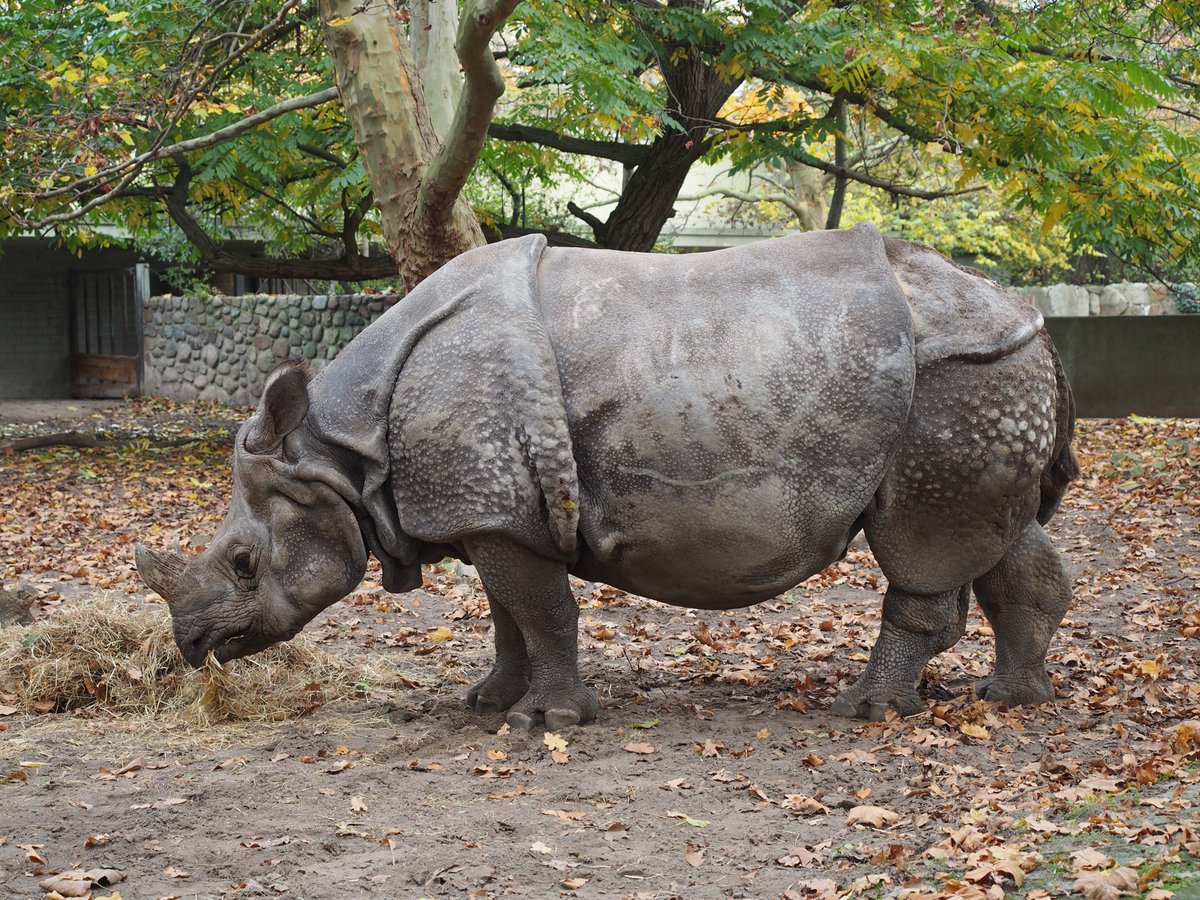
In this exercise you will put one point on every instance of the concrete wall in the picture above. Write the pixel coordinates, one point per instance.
(1149, 365)
(35, 357)
(35, 313)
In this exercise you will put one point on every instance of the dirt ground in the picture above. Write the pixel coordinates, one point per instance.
(714, 770)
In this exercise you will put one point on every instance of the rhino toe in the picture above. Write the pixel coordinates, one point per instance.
(1016, 691)
(871, 702)
(497, 692)
(554, 710)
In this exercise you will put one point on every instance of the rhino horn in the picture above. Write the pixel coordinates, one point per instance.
(160, 570)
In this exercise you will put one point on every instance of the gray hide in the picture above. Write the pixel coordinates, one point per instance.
(706, 430)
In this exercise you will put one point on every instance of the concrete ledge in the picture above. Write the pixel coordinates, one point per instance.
(1149, 365)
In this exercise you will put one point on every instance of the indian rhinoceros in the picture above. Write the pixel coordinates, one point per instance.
(705, 430)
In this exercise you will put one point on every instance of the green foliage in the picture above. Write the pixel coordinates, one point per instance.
(1078, 115)
(1081, 118)
(90, 85)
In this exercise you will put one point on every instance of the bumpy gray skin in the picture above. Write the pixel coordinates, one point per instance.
(705, 430)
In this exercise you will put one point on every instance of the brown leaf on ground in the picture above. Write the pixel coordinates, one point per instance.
(1107, 885)
(875, 816)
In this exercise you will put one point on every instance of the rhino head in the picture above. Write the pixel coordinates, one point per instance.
(289, 547)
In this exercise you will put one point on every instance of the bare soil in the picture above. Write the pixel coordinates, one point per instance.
(714, 770)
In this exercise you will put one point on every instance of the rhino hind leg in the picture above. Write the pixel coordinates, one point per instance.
(1024, 598)
(536, 598)
(509, 679)
(915, 629)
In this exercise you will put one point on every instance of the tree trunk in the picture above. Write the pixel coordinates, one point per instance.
(433, 26)
(416, 179)
(696, 93)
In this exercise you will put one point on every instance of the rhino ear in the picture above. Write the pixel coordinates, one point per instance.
(283, 406)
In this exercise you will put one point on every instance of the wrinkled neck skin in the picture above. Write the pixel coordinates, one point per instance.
(345, 434)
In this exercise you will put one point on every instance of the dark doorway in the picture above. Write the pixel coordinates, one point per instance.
(106, 334)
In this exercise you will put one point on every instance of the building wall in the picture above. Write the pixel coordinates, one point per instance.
(35, 356)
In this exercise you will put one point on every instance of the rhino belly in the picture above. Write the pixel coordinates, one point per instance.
(731, 414)
(715, 544)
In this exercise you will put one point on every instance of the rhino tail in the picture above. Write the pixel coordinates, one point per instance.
(1064, 465)
(549, 450)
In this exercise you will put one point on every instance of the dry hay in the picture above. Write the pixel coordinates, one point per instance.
(110, 656)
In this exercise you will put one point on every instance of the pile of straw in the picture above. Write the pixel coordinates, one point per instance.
(113, 657)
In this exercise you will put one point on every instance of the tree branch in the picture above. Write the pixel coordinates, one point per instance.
(745, 197)
(627, 154)
(874, 181)
(483, 84)
(322, 153)
(133, 166)
(591, 221)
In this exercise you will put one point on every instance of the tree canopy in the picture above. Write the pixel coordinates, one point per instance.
(1081, 117)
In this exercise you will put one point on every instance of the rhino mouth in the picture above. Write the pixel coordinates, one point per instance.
(225, 644)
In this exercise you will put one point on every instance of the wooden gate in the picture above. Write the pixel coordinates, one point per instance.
(106, 333)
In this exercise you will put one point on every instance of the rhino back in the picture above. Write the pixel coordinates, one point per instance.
(732, 412)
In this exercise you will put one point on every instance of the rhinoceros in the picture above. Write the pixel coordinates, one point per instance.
(705, 430)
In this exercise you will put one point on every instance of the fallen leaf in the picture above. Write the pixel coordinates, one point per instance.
(574, 884)
(78, 883)
(1107, 885)
(1088, 858)
(172, 872)
(687, 820)
(554, 741)
(975, 731)
(637, 747)
(694, 856)
(539, 847)
(507, 795)
(358, 804)
(875, 816)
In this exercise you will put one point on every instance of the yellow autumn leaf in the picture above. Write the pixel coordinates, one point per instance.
(554, 741)
(1053, 214)
(118, 17)
(441, 633)
(126, 137)
(89, 170)
(975, 731)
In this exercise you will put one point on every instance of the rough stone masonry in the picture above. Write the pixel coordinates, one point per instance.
(220, 348)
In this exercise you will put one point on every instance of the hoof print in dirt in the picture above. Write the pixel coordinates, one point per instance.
(706, 430)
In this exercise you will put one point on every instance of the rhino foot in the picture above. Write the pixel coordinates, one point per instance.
(554, 708)
(1030, 689)
(871, 701)
(497, 692)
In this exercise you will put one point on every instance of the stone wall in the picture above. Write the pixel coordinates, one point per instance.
(220, 348)
(1127, 299)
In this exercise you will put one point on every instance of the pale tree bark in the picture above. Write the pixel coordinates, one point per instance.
(416, 179)
(433, 27)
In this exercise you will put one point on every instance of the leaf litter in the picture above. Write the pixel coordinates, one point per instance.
(1096, 796)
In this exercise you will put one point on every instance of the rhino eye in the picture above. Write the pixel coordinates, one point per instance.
(243, 564)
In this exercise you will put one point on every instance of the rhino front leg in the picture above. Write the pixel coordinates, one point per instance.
(508, 681)
(1024, 598)
(537, 597)
(915, 628)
